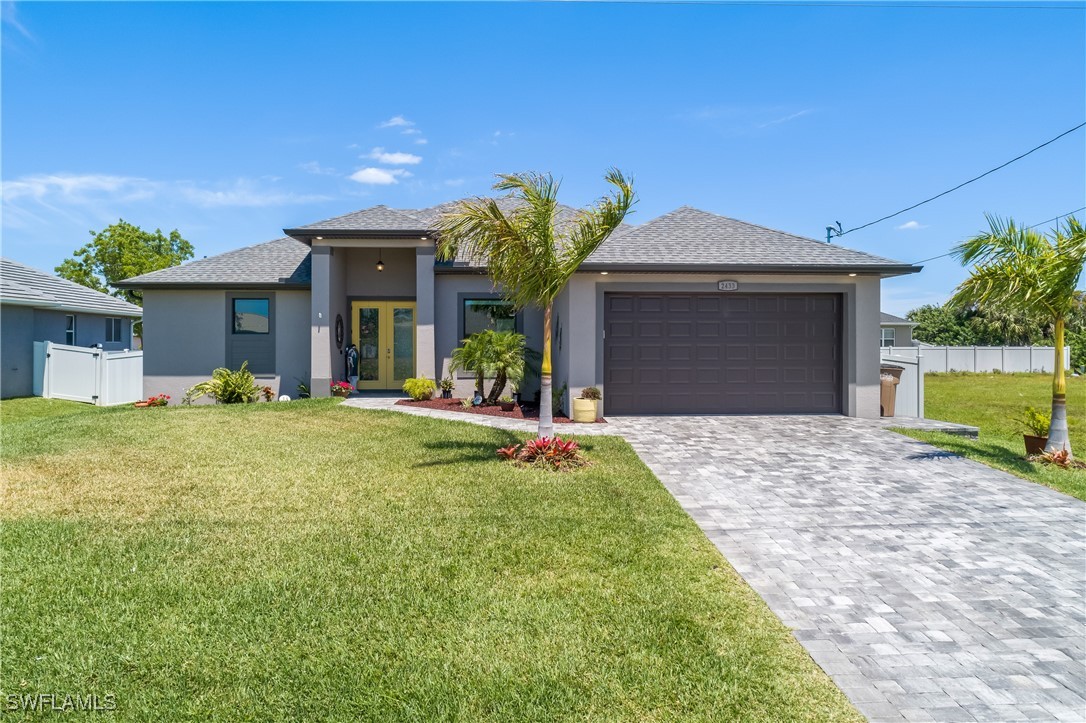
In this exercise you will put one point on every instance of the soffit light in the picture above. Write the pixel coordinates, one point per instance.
(380, 263)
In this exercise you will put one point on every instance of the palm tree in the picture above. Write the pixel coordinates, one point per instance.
(507, 350)
(472, 356)
(529, 256)
(1018, 270)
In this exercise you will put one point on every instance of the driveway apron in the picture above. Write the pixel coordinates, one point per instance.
(929, 587)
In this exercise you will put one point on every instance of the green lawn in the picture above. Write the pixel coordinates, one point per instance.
(989, 401)
(306, 560)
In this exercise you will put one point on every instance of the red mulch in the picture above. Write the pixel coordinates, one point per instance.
(520, 411)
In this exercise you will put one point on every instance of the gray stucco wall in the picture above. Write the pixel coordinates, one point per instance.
(582, 324)
(449, 291)
(23, 325)
(16, 351)
(184, 339)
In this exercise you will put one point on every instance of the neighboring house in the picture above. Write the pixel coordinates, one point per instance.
(688, 313)
(36, 306)
(895, 331)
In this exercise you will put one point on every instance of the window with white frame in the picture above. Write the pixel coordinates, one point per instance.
(114, 330)
(69, 329)
(888, 336)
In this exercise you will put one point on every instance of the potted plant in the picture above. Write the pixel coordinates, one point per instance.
(1036, 423)
(506, 404)
(160, 400)
(341, 389)
(586, 406)
(447, 385)
(420, 389)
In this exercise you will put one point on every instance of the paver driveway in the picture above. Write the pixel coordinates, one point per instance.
(928, 586)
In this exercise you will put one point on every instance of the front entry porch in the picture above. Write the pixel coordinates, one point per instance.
(384, 335)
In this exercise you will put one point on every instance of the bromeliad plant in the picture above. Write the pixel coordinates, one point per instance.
(551, 453)
(227, 387)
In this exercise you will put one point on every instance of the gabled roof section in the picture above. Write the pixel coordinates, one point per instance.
(22, 285)
(890, 319)
(368, 221)
(688, 237)
(283, 262)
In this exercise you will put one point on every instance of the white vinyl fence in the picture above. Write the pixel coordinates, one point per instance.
(981, 358)
(84, 374)
(910, 390)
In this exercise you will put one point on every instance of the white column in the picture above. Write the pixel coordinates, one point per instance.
(425, 350)
(320, 342)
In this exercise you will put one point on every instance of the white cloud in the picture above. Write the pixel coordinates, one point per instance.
(786, 118)
(379, 176)
(454, 182)
(394, 158)
(421, 141)
(104, 191)
(910, 226)
(396, 121)
(9, 16)
(317, 169)
(411, 131)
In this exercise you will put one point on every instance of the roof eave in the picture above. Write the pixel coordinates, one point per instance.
(306, 235)
(134, 284)
(882, 270)
(74, 308)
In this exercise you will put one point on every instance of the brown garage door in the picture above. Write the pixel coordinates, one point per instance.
(722, 353)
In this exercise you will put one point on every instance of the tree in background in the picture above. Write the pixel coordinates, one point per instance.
(530, 257)
(942, 326)
(1020, 271)
(122, 251)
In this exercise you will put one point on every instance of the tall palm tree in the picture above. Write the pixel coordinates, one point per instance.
(529, 255)
(1018, 270)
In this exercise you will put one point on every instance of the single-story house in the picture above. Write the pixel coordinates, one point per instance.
(37, 306)
(690, 312)
(895, 331)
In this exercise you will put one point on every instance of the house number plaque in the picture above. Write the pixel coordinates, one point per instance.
(727, 285)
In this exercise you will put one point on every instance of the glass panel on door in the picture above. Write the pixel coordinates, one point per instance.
(369, 344)
(403, 343)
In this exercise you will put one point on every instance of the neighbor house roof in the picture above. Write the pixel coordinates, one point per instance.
(22, 285)
(282, 262)
(891, 320)
(686, 239)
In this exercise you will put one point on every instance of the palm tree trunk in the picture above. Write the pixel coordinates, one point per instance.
(546, 411)
(1057, 432)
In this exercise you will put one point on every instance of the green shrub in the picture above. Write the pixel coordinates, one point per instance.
(419, 388)
(591, 393)
(227, 387)
(1036, 421)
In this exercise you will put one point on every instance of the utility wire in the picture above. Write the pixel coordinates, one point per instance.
(960, 185)
(1042, 223)
(831, 4)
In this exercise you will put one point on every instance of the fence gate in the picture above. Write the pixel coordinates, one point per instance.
(82, 374)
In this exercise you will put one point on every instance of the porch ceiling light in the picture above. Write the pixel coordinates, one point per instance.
(319, 238)
(603, 273)
(380, 263)
(852, 274)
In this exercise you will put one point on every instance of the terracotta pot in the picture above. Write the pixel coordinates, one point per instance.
(342, 393)
(584, 410)
(1034, 445)
(142, 404)
(506, 406)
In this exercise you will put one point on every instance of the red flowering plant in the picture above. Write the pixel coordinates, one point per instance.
(159, 400)
(342, 388)
(552, 453)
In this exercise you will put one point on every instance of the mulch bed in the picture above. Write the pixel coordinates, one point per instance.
(520, 411)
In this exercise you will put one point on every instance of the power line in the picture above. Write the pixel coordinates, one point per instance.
(960, 185)
(831, 4)
(1042, 223)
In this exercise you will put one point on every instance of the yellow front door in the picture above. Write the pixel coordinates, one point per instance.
(384, 332)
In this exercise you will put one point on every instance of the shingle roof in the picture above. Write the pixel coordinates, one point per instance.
(691, 237)
(376, 218)
(27, 286)
(282, 262)
(885, 318)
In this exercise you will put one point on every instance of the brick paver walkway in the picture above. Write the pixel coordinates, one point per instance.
(928, 586)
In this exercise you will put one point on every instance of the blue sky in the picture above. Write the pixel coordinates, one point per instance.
(233, 121)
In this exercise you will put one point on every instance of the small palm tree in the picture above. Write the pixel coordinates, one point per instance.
(529, 256)
(507, 350)
(472, 356)
(1018, 270)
